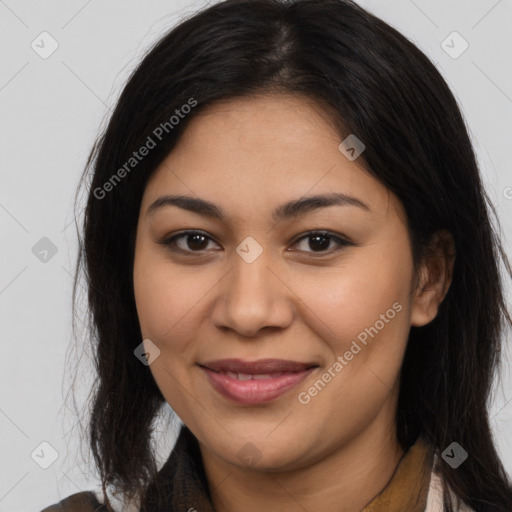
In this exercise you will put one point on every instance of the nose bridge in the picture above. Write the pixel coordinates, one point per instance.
(250, 287)
(251, 293)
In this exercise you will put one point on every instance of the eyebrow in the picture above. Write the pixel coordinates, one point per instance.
(291, 209)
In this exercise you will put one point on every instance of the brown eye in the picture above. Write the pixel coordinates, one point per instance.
(188, 241)
(319, 242)
(196, 242)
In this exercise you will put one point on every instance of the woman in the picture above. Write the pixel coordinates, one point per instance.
(287, 240)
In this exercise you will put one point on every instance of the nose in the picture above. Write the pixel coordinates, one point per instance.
(253, 296)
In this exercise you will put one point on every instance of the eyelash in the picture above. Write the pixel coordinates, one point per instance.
(170, 242)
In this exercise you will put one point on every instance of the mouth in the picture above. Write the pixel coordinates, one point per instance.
(255, 382)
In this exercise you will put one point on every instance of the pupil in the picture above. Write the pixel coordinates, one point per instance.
(319, 246)
(198, 241)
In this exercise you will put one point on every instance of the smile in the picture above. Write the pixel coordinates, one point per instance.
(255, 388)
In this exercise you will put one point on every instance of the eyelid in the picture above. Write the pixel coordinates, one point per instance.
(341, 241)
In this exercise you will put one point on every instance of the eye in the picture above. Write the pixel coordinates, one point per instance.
(193, 241)
(319, 242)
(197, 241)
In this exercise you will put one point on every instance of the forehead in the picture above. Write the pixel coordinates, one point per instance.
(254, 153)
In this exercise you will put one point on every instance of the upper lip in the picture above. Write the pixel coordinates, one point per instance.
(259, 367)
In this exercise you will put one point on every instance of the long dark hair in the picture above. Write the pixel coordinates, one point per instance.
(376, 84)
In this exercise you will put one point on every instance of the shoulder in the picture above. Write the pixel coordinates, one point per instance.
(86, 501)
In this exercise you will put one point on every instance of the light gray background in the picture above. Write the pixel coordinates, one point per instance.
(51, 111)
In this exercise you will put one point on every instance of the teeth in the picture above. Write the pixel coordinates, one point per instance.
(247, 376)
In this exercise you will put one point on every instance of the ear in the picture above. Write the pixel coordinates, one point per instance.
(435, 277)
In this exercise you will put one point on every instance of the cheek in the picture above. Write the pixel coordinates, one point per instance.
(169, 300)
(159, 307)
(362, 313)
(165, 302)
(366, 289)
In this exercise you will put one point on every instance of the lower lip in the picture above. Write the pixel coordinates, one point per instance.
(252, 391)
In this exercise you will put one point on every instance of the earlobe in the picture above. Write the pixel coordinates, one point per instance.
(436, 275)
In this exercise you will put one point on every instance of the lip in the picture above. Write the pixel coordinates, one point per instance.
(261, 366)
(279, 377)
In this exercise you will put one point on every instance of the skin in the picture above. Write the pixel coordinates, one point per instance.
(248, 156)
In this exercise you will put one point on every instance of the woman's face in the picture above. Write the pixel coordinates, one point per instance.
(259, 283)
